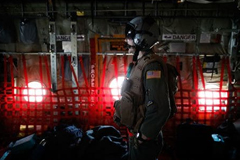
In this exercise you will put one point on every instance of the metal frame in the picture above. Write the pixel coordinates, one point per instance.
(53, 55)
(43, 53)
(74, 58)
(124, 9)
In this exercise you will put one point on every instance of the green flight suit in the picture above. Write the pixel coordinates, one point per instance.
(156, 101)
(157, 110)
(156, 113)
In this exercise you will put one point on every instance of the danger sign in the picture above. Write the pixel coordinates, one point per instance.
(179, 37)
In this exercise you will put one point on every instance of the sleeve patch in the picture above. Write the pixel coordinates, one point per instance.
(153, 74)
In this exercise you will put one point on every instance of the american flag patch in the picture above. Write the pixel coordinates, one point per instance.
(153, 74)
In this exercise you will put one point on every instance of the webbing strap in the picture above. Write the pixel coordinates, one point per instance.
(221, 83)
(165, 59)
(115, 67)
(104, 71)
(229, 71)
(129, 69)
(49, 79)
(5, 72)
(48, 71)
(195, 77)
(11, 73)
(40, 69)
(222, 73)
(25, 70)
(63, 79)
(41, 74)
(178, 69)
(83, 71)
(12, 79)
(201, 72)
(74, 74)
(75, 79)
(125, 64)
(180, 86)
(5, 155)
(26, 79)
(236, 100)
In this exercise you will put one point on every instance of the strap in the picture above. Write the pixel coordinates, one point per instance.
(5, 155)
(129, 69)
(74, 74)
(25, 70)
(125, 63)
(83, 71)
(46, 61)
(201, 72)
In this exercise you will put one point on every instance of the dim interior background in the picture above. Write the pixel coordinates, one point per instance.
(63, 60)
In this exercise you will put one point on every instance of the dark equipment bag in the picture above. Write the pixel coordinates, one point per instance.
(102, 143)
(193, 141)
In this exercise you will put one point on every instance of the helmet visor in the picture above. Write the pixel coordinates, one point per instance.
(130, 31)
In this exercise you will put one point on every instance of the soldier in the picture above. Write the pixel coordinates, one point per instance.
(144, 106)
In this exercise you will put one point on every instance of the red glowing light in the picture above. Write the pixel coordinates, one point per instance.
(115, 86)
(212, 99)
(35, 92)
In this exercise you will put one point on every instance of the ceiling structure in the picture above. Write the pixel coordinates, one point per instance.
(120, 9)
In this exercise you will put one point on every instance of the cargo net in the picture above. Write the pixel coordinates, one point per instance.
(29, 104)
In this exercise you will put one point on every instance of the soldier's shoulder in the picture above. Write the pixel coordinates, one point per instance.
(153, 65)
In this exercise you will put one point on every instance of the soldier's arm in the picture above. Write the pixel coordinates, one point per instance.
(156, 100)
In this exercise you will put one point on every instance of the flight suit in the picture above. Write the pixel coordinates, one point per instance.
(154, 95)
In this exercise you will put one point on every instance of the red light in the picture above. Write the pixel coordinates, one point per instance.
(212, 100)
(115, 86)
(35, 92)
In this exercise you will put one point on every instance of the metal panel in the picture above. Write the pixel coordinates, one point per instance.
(53, 58)
(74, 55)
(74, 61)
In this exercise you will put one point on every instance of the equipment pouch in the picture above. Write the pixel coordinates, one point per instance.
(128, 111)
(139, 117)
(125, 86)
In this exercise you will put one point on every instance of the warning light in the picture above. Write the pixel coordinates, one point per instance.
(35, 92)
(115, 86)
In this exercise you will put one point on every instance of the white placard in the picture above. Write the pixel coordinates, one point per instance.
(179, 37)
(68, 37)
